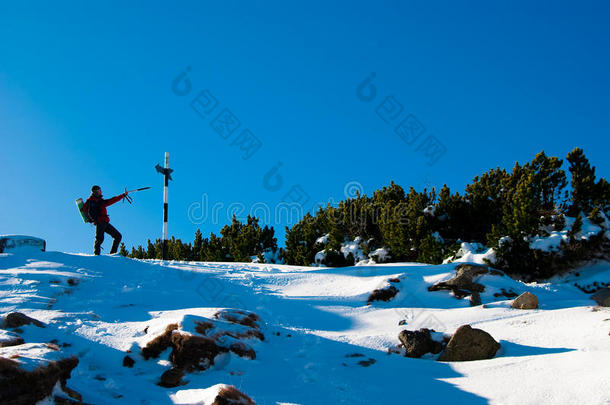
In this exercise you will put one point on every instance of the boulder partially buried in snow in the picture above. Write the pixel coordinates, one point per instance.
(17, 319)
(602, 297)
(29, 372)
(419, 342)
(196, 341)
(382, 294)
(171, 378)
(219, 394)
(194, 353)
(8, 338)
(463, 283)
(468, 344)
(525, 301)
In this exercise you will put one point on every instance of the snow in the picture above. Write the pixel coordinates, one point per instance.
(319, 258)
(376, 256)
(30, 355)
(382, 254)
(504, 239)
(317, 326)
(354, 248)
(323, 240)
(473, 253)
(346, 248)
(553, 241)
(197, 396)
(429, 210)
(270, 256)
(549, 243)
(6, 336)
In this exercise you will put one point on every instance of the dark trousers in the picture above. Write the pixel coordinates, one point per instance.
(100, 229)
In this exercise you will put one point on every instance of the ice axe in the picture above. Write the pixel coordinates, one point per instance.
(128, 198)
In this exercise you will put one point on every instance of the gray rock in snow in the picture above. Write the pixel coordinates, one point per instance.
(602, 297)
(468, 344)
(417, 343)
(525, 301)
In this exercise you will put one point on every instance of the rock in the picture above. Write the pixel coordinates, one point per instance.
(18, 386)
(17, 319)
(10, 339)
(171, 378)
(157, 345)
(472, 269)
(468, 344)
(462, 284)
(242, 350)
(383, 294)
(507, 294)
(192, 353)
(229, 395)
(128, 362)
(475, 299)
(196, 342)
(52, 346)
(417, 343)
(602, 297)
(525, 301)
(366, 363)
(239, 316)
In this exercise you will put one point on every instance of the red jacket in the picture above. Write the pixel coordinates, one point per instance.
(103, 215)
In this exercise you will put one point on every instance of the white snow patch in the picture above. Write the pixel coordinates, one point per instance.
(204, 396)
(553, 241)
(473, 253)
(31, 355)
(323, 240)
(430, 210)
(354, 248)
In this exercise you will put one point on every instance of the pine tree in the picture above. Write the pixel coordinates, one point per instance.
(430, 250)
(576, 228)
(549, 179)
(197, 246)
(583, 182)
(150, 250)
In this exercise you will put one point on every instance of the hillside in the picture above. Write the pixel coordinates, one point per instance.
(322, 343)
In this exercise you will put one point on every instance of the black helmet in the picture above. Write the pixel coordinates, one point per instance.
(93, 188)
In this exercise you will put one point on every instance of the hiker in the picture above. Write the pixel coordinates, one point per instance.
(96, 208)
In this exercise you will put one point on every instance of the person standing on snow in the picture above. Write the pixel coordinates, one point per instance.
(95, 206)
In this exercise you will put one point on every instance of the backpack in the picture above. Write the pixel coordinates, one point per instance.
(92, 211)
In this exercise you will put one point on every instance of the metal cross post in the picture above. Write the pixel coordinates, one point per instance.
(166, 172)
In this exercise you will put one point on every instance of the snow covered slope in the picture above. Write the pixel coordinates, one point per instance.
(323, 344)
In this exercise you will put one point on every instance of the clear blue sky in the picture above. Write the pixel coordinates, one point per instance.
(86, 98)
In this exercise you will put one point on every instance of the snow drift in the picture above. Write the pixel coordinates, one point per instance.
(323, 343)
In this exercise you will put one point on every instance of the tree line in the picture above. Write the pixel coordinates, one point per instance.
(501, 209)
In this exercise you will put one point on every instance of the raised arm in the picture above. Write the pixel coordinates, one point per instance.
(112, 200)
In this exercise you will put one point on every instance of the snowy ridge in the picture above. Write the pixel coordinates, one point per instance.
(323, 344)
